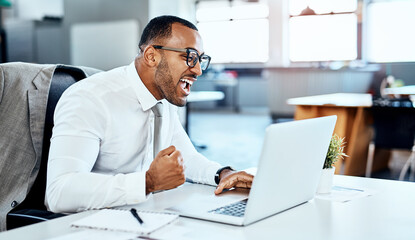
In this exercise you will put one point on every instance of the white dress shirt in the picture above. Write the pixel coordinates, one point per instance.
(102, 143)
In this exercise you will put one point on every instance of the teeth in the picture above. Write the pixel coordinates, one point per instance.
(186, 81)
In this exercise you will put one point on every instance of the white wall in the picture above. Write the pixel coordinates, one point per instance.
(99, 44)
(285, 83)
(104, 13)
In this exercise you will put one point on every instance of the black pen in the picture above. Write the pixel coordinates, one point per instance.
(135, 214)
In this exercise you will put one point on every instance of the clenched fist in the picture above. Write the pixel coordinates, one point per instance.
(166, 171)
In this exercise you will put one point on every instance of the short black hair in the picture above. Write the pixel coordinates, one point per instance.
(160, 28)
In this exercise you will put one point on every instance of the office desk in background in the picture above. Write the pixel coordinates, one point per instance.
(387, 214)
(353, 123)
(201, 96)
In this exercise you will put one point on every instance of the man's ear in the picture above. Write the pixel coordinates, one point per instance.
(151, 56)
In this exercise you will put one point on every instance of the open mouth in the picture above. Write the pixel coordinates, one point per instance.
(186, 84)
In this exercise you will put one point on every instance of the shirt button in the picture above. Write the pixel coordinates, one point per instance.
(14, 204)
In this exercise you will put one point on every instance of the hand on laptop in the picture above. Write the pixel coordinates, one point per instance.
(229, 179)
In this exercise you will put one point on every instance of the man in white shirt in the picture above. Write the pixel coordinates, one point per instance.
(101, 152)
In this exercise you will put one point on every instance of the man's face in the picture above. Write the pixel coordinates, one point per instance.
(173, 77)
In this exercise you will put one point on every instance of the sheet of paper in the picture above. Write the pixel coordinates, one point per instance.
(345, 194)
(124, 221)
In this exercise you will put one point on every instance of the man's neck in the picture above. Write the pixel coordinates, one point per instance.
(146, 75)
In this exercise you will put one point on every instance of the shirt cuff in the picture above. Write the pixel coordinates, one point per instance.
(136, 188)
(211, 172)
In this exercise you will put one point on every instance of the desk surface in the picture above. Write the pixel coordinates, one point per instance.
(335, 99)
(201, 96)
(388, 214)
(405, 90)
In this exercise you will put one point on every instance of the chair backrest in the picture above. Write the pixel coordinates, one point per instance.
(63, 77)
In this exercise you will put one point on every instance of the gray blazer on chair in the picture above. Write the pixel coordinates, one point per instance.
(24, 89)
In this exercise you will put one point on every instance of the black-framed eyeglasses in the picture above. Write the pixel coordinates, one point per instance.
(192, 56)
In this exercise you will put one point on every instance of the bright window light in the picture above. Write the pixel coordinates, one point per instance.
(236, 41)
(250, 11)
(234, 33)
(323, 38)
(389, 34)
(213, 11)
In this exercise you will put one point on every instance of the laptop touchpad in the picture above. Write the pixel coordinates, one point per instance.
(206, 201)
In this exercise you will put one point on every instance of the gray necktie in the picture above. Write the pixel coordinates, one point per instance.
(158, 114)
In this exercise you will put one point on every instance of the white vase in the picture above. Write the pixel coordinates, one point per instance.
(326, 180)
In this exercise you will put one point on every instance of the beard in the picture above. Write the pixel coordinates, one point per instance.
(166, 85)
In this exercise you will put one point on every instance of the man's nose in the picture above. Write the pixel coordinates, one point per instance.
(197, 69)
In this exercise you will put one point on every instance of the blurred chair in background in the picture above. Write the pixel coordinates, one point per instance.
(394, 127)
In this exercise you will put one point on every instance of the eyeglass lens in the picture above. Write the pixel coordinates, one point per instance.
(193, 57)
(204, 62)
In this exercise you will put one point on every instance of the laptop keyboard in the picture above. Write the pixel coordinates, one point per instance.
(235, 209)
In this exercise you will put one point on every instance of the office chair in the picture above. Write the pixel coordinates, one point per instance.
(394, 127)
(32, 209)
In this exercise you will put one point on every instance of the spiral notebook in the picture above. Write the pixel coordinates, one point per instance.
(124, 221)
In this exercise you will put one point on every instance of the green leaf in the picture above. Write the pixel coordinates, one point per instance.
(335, 151)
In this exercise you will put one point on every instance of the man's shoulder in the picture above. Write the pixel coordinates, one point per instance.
(100, 83)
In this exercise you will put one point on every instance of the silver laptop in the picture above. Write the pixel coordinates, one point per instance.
(287, 175)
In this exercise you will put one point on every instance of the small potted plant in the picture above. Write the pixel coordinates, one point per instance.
(335, 152)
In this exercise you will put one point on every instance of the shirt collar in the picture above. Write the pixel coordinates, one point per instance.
(144, 96)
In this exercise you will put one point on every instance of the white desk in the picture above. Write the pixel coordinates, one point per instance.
(335, 99)
(405, 90)
(389, 214)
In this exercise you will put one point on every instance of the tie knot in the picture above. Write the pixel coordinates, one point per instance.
(158, 109)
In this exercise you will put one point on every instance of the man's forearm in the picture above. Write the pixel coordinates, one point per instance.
(76, 192)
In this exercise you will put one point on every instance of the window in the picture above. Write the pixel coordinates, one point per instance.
(323, 30)
(234, 32)
(390, 37)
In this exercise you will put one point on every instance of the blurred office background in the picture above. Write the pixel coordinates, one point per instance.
(264, 52)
